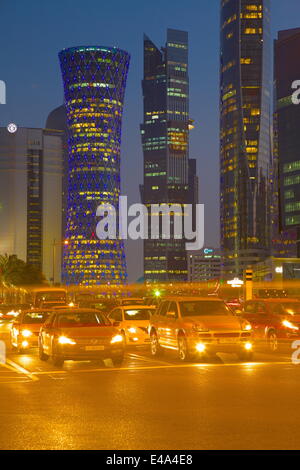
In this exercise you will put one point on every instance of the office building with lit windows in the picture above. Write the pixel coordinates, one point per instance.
(204, 265)
(31, 197)
(287, 115)
(165, 141)
(245, 139)
(94, 86)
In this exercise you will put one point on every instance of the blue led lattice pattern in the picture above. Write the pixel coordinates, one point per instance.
(94, 86)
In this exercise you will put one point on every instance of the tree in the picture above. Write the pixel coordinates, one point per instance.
(15, 272)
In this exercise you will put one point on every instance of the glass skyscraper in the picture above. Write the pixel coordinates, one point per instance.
(94, 85)
(287, 70)
(245, 143)
(165, 140)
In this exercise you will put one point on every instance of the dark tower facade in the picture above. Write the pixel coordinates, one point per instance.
(94, 86)
(287, 116)
(245, 143)
(165, 140)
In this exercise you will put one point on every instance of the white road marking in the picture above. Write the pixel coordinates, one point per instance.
(170, 366)
(19, 369)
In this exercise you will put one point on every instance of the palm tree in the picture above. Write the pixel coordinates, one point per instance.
(11, 270)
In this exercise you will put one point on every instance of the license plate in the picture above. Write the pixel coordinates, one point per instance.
(94, 348)
(227, 340)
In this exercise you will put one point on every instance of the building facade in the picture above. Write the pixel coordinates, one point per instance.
(204, 265)
(287, 115)
(94, 86)
(30, 197)
(245, 143)
(165, 140)
(57, 120)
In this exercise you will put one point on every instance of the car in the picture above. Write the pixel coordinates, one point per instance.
(25, 329)
(131, 301)
(196, 327)
(52, 305)
(10, 311)
(133, 321)
(274, 321)
(80, 334)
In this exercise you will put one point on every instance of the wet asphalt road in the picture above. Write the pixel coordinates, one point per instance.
(150, 404)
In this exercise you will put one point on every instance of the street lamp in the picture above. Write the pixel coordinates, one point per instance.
(54, 245)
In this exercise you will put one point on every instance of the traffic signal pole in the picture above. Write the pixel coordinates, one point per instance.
(249, 284)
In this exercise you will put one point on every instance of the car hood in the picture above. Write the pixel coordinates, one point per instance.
(91, 331)
(217, 322)
(34, 327)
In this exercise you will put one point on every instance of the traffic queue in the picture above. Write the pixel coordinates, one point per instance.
(195, 327)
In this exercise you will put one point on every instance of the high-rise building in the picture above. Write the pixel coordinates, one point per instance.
(31, 197)
(57, 120)
(165, 140)
(283, 242)
(245, 143)
(204, 265)
(287, 115)
(94, 85)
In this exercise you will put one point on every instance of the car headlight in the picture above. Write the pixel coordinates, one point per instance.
(132, 329)
(289, 325)
(12, 313)
(26, 333)
(246, 327)
(117, 339)
(65, 340)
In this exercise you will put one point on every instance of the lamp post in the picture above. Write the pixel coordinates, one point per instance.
(54, 245)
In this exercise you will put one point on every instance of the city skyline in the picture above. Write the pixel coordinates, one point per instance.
(44, 82)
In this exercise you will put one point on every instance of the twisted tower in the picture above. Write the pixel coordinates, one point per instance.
(94, 86)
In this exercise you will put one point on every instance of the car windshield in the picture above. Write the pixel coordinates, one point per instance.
(82, 319)
(203, 307)
(35, 317)
(138, 314)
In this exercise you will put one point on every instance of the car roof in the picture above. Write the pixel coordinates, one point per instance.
(75, 310)
(36, 310)
(277, 300)
(135, 306)
(181, 298)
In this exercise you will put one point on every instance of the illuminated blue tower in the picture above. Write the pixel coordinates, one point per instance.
(94, 86)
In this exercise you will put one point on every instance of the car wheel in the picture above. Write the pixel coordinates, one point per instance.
(272, 341)
(43, 357)
(183, 352)
(156, 349)
(118, 360)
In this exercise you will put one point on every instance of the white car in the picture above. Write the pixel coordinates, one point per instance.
(133, 321)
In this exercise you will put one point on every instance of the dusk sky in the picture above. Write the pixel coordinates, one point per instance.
(33, 32)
